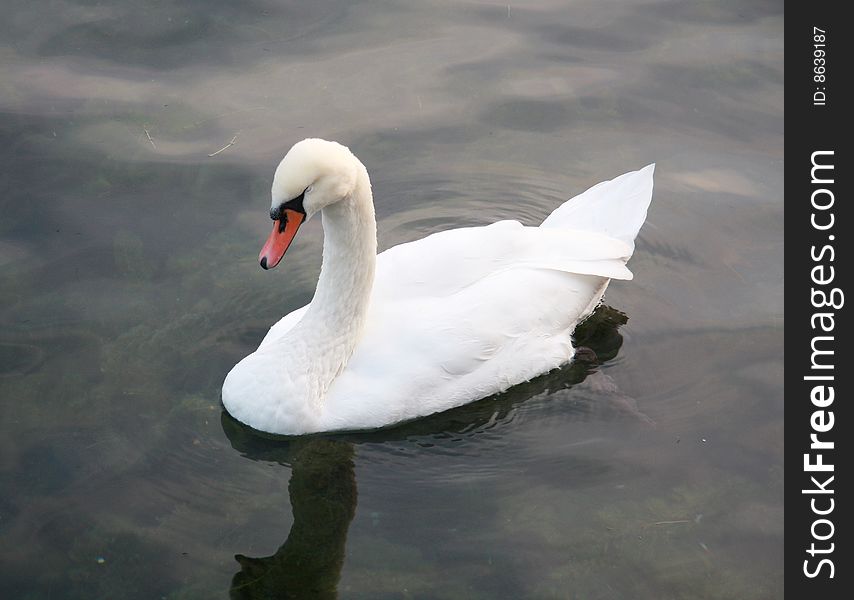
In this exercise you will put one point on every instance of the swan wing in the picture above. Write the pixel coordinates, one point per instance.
(425, 354)
(446, 262)
(466, 313)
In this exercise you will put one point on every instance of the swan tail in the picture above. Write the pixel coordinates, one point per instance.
(616, 208)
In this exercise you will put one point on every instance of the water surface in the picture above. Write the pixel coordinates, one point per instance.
(129, 287)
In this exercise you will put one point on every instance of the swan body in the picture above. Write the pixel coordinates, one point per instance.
(428, 325)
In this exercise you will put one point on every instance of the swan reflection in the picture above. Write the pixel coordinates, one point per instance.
(322, 491)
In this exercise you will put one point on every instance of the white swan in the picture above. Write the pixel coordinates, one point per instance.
(429, 325)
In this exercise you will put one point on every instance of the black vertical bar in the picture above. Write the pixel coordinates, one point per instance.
(818, 227)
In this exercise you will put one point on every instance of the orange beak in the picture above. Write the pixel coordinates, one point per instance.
(284, 230)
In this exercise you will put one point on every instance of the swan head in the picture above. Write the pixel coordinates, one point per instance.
(313, 174)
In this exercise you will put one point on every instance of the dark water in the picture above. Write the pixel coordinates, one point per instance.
(129, 287)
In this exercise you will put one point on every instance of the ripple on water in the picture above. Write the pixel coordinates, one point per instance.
(479, 196)
(18, 359)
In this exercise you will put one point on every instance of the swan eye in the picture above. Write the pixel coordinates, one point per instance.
(293, 204)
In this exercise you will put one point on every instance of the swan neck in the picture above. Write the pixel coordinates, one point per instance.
(336, 317)
(349, 257)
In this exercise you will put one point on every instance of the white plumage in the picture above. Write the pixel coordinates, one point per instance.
(432, 324)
